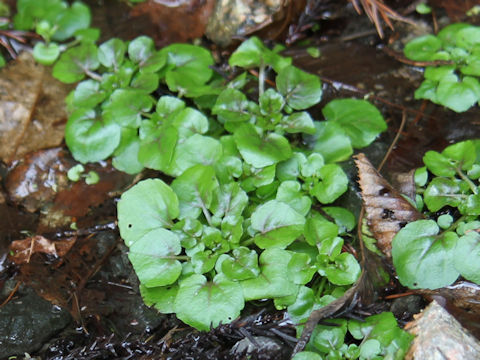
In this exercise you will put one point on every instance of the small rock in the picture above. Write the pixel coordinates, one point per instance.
(265, 348)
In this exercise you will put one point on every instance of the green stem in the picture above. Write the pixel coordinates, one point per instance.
(247, 242)
(261, 79)
(93, 75)
(468, 181)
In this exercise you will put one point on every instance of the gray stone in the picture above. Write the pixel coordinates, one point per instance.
(28, 322)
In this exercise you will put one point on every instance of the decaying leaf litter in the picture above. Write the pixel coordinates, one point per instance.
(429, 127)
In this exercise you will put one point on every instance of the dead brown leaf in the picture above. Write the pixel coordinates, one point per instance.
(24, 249)
(387, 211)
(32, 108)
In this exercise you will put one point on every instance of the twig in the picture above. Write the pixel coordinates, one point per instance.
(395, 140)
(10, 296)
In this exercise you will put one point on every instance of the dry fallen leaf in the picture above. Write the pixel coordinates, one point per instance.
(24, 249)
(387, 211)
(32, 108)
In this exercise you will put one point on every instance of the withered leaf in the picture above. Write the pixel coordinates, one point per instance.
(387, 211)
(24, 249)
(32, 108)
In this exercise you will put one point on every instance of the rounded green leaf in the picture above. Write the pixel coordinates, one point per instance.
(459, 96)
(76, 62)
(261, 151)
(334, 183)
(126, 155)
(232, 106)
(271, 102)
(300, 89)
(162, 297)
(422, 48)
(307, 355)
(125, 107)
(422, 257)
(111, 53)
(88, 94)
(299, 122)
(370, 348)
(248, 54)
(242, 265)
(151, 204)
(153, 257)
(273, 280)
(204, 304)
(442, 192)
(329, 338)
(140, 49)
(90, 139)
(344, 271)
(46, 54)
(303, 306)
(156, 151)
(318, 230)
(331, 141)
(361, 121)
(439, 164)
(467, 256)
(290, 192)
(344, 218)
(144, 81)
(299, 269)
(278, 224)
(72, 19)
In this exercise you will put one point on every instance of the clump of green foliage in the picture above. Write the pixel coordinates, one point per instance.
(454, 85)
(433, 253)
(378, 337)
(247, 212)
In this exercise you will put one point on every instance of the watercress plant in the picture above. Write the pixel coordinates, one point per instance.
(433, 253)
(454, 84)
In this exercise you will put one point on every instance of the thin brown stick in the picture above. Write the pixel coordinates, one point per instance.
(10, 296)
(394, 142)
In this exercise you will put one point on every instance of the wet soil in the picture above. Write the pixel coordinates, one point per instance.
(86, 305)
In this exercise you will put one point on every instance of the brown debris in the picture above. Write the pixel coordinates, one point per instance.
(173, 21)
(387, 211)
(24, 249)
(440, 336)
(31, 106)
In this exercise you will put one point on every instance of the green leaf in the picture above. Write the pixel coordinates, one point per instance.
(187, 153)
(161, 297)
(303, 306)
(290, 192)
(300, 89)
(278, 224)
(248, 54)
(442, 192)
(422, 257)
(153, 257)
(157, 149)
(125, 107)
(334, 183)
(261, 151)
(126, 154)
(75, 172)
(427, 90)
(468, 37)
(189, 121)
(344, 219)
(361, 121)
(87, 35)
(88, 138)
(439, 164)
(168, 105)
(229, 201)
(422, 48)
(149, 205)
(370, 348)
(140, 49)
(232, 106)
(307, 355)
(290, 169)
(242, 265)
(448, 34)
(147, 82)
(189, 67)
(111, 53)
(72, 19)
(457, 95)
(204, 304)
(46, 54)
(271, 102)
(331, 141)
(345, 271)
(273, 280)
(92, 178)
(299, 269)
(467, 256)
(329, 337)
(76, 62)
(313, 166)
(317, 230)
(195, 189)
(470, 206)
(299, 122)
(88, 94)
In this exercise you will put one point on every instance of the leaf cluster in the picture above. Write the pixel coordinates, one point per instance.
(455, 85)
(55, 21)
(378, 337)
(249, 212)
(433, 253)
